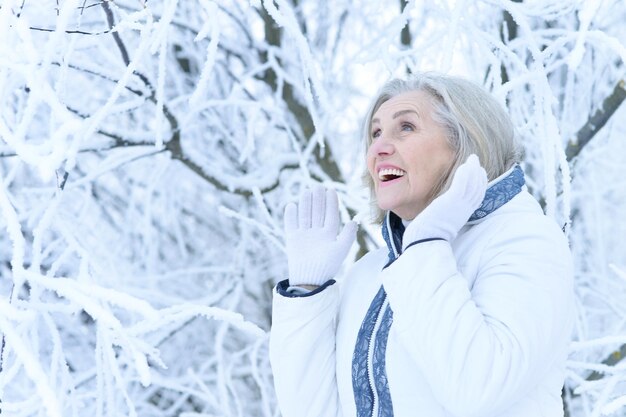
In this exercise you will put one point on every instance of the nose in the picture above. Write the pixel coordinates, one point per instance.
(382, 146)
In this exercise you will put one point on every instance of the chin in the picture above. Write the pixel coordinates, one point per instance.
(403, 213)
(385, 205)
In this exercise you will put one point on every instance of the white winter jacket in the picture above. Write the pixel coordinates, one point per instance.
(476, 327)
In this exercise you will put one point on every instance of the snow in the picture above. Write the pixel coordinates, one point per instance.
(143, 286)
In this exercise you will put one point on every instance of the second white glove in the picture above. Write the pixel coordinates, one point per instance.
(446, 215)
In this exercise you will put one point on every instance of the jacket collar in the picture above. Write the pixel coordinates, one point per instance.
(500, 191)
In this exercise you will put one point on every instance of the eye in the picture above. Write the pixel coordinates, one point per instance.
(407, 127)
(376, 133)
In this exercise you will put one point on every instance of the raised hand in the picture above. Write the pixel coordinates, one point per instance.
(315, 249)
(446, 215)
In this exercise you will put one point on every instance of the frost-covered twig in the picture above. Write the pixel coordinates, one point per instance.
(597, 120)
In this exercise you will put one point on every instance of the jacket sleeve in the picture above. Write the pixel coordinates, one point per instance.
(483, 349)
(302, 352)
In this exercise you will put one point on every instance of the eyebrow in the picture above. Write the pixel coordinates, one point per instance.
(396, 115)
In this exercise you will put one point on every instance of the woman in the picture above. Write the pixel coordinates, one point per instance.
(469, 308)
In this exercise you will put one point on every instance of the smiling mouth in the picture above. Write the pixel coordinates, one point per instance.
(387, 174)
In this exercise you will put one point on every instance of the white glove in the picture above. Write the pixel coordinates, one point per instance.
(314, 251)
(446, 215)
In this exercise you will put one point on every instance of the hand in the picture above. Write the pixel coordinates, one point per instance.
(314, 250)
(446, 215)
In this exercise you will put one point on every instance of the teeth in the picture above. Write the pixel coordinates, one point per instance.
(388, 171)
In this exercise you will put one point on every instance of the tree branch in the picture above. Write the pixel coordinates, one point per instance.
(613, 359)
(177, 154)
(116, 35)
(273, 35)
(508, 33)
(597, 121)
(405, 33)
(71, 32)
(19, 13)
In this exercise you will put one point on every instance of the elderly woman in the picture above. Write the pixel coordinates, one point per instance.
(468, 309)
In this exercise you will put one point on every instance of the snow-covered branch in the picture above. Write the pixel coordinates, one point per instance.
(147, 151)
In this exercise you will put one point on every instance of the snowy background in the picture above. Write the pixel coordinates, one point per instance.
(147, 149)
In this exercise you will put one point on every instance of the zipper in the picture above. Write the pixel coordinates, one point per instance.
(370, 357)
(372, 340)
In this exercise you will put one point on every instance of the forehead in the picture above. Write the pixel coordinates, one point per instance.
(418, 101)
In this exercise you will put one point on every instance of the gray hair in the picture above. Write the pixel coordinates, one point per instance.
(474, 122)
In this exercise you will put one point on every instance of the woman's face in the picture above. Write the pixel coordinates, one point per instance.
(408, 155)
